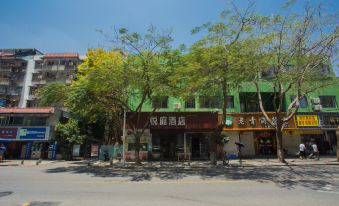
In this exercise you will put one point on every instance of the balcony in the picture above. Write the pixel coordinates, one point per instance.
(14, 93)
(53, 68)
(5, 69)
(38, 81)
(4, 81)
(31, 97)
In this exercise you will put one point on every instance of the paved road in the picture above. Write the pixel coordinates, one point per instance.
(76, 184)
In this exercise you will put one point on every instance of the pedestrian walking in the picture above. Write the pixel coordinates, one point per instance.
(315, 151)
(302, 151)
(2, 152)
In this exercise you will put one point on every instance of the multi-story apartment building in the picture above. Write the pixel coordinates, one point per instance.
(29, 132)
(51, 67)
(15, 64)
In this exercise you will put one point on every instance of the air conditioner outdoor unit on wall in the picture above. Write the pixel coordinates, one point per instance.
(177, 105)
(317, 107)
(316, 101)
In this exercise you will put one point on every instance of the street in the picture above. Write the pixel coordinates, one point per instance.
(74, 183)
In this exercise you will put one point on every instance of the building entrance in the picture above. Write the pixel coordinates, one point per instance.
(167, 146)
(198, 144)
(265, 143)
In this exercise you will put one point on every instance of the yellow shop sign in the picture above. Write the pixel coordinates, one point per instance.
(307, 120)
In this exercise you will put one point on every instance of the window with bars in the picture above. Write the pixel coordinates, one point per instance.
(302, 101)
(328, 101)
(160, 102)
(190, 102)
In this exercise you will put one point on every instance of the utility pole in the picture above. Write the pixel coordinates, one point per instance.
(124, 137)
(337, 134)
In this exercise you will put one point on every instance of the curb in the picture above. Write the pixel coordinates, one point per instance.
(186, 167)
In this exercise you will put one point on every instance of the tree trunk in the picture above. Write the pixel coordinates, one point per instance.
(279, 136)
(137, 148)
(216, 139)
(337, 134)
(70, 152)
(213, 150)
(280, 149)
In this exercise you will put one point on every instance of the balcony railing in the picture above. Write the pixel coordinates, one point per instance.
(4, 81)
(14, 93)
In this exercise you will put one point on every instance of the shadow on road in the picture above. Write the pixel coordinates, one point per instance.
(313, 177)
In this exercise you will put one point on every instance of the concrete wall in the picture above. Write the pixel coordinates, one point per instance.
(246, 138)
(27, 83)
(291, 143)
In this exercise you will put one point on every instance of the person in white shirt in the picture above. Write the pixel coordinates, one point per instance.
(315, 151)
(302, 151)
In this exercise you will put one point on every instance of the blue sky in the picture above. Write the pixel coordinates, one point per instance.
(70, 25)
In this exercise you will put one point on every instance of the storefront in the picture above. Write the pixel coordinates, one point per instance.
(25, 133)
(329, 123)
(174, 136)
(27, 142)
(309, 129)
(259, 138)
(265, 143)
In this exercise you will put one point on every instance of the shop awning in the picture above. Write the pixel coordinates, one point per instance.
(7, 140)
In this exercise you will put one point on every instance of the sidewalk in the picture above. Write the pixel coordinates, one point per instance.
(30, 163)
(166, 164)
(233, 163)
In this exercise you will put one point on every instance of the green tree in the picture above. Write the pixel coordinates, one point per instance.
(294, 49)
(148, 69)
(97, 96)
(68, 134)
(213, 63)
(53, 94)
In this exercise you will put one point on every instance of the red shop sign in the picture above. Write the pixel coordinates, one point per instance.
(8, 133)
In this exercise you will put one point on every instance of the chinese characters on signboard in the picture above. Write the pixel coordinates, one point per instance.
(307, 120)
(8, 133)
(255, 121)
(167, 121)
(94, 150)
(334, 121)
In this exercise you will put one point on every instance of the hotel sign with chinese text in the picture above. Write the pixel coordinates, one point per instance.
(188, 121)
(307, 120)
(167, 120)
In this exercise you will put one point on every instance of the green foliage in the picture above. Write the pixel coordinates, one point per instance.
(98, 90)
(215, 63)
(69, 132)
(52, 94)
(149, 65)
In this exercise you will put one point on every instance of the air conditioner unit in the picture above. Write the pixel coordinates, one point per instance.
(177, 105)
(316, 101)
(317, 107)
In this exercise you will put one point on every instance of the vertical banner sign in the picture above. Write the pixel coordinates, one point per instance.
(54, 146)
(94, 150)
(76, 150)
(28, 150)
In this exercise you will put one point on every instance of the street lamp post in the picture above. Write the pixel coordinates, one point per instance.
(124, 137)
